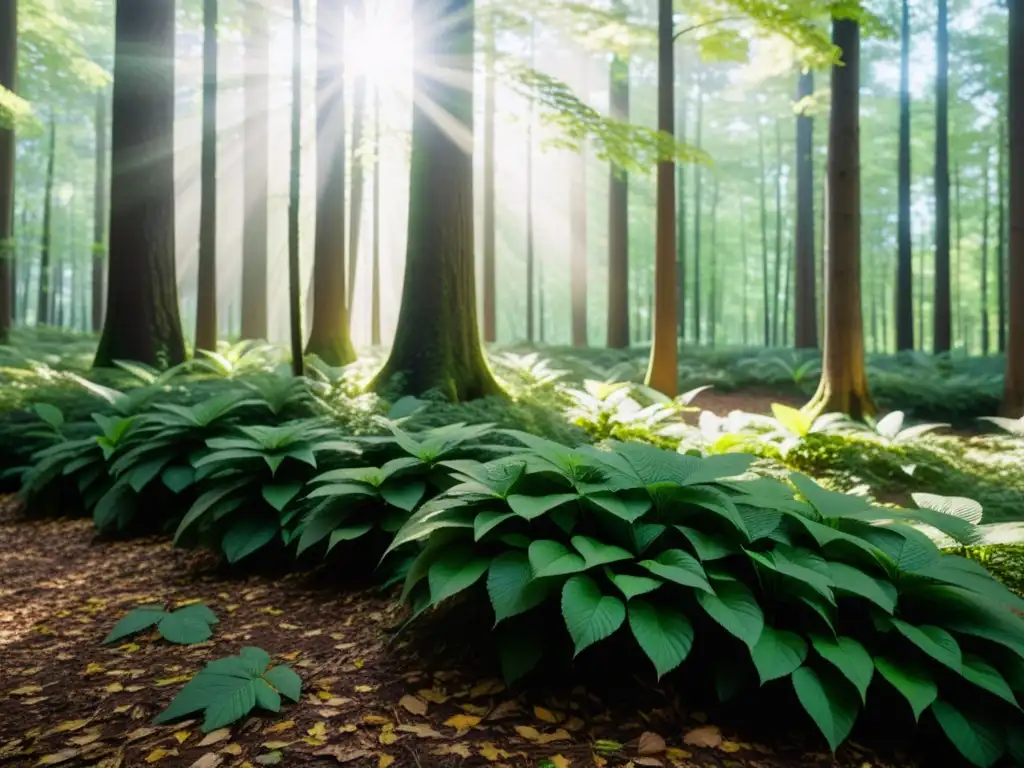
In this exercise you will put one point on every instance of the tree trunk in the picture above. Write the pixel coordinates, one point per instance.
(375, 271)
(922, 255)
(490, 211)
(8, 251)
(530, 279)
(295, 186)
(744, 279)
(99, 223)
(141, 321)
(1001, 236)
(777, 281)
(984, 313)
(712, 321)
(662, 372)
(698, 178)
(578, 229)
(941, 317)
(905, 248)
(959, 315)
(681, 209)
(843, 386)
(437, 344)
(873, 296)
(763, 182)
(618, 218)
(1013, 398)
(329, 335)
(45, 301)
(355, 219)
(806, 300)
(255, 171)
(206, 278)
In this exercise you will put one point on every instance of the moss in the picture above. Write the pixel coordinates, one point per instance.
(1004, 561)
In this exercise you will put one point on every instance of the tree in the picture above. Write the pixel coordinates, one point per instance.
(941, 311)
(375, 227)
(295, 178)
(531, 287)
(1001, 236)
(984, 313)
(713, 307)
(618, 210)
(8, 81)
(141, 320)
(763, 185)
(256, 151)
(206, 279)
(45, 299)
(681, 208)
(662, 372)
(355, 218)
(99, 225)
(698, 176)
(490, 237)
(843, 386)
(905, 248)
(1013, 395)
(437, 344)
(578, 229)
(806, 301)
(329, 335)
(777, 281)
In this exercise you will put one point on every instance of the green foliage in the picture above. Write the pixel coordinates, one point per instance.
(185, 626)
(227, 690)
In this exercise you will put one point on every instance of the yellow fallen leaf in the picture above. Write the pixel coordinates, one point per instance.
(114, 688)
(433, 695)
(215, 737)
(348, 728)
(385, 760)
(486, 688)
(558, 761)
(58, 757)
(94, 669)
(159, 754)
(209, 760)
(85, 739)
(546, 715)
(182, 736)
(474, 709)
(232, 749)
(275, 744)
(413, 704)
(34, 700)
(387, 735)
(376, 720)
(364, 688)
(70, 725)
(273, 611)
(462, 721)
(532, 734)
(704, 736)
(26, 690)
(358, 663)
(173, 680)
(318, 731)
(280, 727)
(140, 733)
(675, 754)
(729, 746)
(461, 750)
(289, 656)
(492, 753)
(422, 731)
(129, 647)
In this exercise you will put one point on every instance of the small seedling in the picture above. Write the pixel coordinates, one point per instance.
(185, 626)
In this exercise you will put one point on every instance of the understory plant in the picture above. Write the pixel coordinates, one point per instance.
(783, 584)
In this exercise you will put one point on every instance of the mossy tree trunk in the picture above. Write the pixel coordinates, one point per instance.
(329, 335)
(437, 343)
(255, 171)
(206, 279)
(142, 321)
(1001, 236)
(662, 372)
(844, 385)
(698, 177)
(681, 103)
(805, 300)
(8, 250)
(1013, 397)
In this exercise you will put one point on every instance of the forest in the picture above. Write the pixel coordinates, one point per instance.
(428, 383)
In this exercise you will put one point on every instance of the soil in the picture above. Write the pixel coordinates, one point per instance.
(368, 699)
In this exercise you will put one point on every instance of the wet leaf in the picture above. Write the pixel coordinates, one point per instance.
(414, 704)
(546, 715)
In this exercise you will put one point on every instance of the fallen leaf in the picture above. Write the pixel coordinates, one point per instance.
(385, 760)
(532, 734)
(387, 735)
(271, 758)
(486, 688)
(433, 695)
(574, 723)
(232, 749)
(94, 669)
(650, 743)
(275, 744)
(114, 688)
(85, 739)
(492, 753)
(140, 733)
(26, 690)
(647, 761)
(209, 760)
(505, 709)
(729, 746)
(363, 688)
(348, 728)
(159, 754)
(182, 736)
(414, 705)
(172, 680)
(342, 754)
(462, 721)
(375, 720)
(280, 727)
(318, 731)
(422, 731)
(461, 750)
(675, 753)
(215, 737)
(558, 761)
(69, 726)
(546, 715)
(704, 736)
(474, 709)
(58, 757)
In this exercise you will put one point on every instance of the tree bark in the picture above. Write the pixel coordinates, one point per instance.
(294, 191)
(8, 250)
(206, 277)
(255, 170)
(329, 335)
(1001, 237)
(843, 386)
(712, 321)
(905, 248)
(375, 225)
(744, 279)
(355, 219)
(141, 320)
(99, 223)
(681, 208)
(437, 344)
(984, 313)
(618, 218)
(490, 211)
(959, 315)
(806, 299)
(698, 177)
(45, 301)
(578, 228)
(941, 317)
(531, 287)
(777, 281)
(765, 281)
(922, 256)
(1013, 397)
(662, 372)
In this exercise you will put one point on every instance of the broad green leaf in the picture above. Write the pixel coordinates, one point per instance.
(285, 681)
(230, 708)
(777, 653)
(792, 420)
(353, 491)
(705, 498)
(962, 508)
(663, 632)
(935, 641)
(707, 546)
(51, 414)
(142, 474)
(849, 657)
(735, 608)
(912, 679)
(977, 739)
(829, 504)
(532, 507)
(549, 558)
(247, 534)
(909, 549)
(511, 586)
(830, 700)
(319, 524)
(185, 627)
(208, 500)
(403, 494)
(278, 496)
(984, 675)
(266, 697)
(632, 586)
(197, 694)
(347, 533)
(718, 467)
(628, 508)
(597, 553)
(680, 567)
(178, 478)
(589, 615)
(854, 581)
(118, 499)
(485, 522)
(456, 569)
(136, 620)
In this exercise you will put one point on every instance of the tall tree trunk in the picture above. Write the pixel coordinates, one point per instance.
(806, 300)
(873, 295)
(540, 303)
(578, 229)
(958, 311)
(777, 281)
(329, 335)
(99, 223)
(765, 280)
(141, 321)
(490, 211)
(941, 317)
(206, 279)
(8, 250)
(787, 293)
(375, 271)
(662, 372)
(744, 278)
(905, 248)
(984, 313)
(844, 386)
(922, 255)
(255, 171)
(355, 218)
(822, 222)
(618, 214)
(295, 186)
(45, 302)
(531, 287)
(712, 321)
(437, 344)
(698, 179)
(681, 206)
(1013, 397)
(1001, 236)
(22, 278)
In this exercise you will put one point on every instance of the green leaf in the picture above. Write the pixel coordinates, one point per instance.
(532, 507)
(794, 421)
(777, 653)
(710, 499)
(341, 490)
(347, 533)
(856, 582)
(404, 495)
(707, 546)
(965, 509)
(976, 739)
(206, 501)
(735, 608)
(511, 586)
(718, 467)
(227, 709)
(912, 679)
(178, 478)
(632, 586)
(549, 558)
(628, 508)
(456, 569)
(487, 521)
(680, 567)
(247, 534)
(850, 658)
(285, 681)
(664, 633)
(205, 687)
(136, 620)
(185, 628)
(984, 675)
(266, 697)
(935, 641)
(597, 553)
(111, 505)
(830, 701)
(589, 615)
(830, 504)
(319, 524)
(51, 414)
(278, 496)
